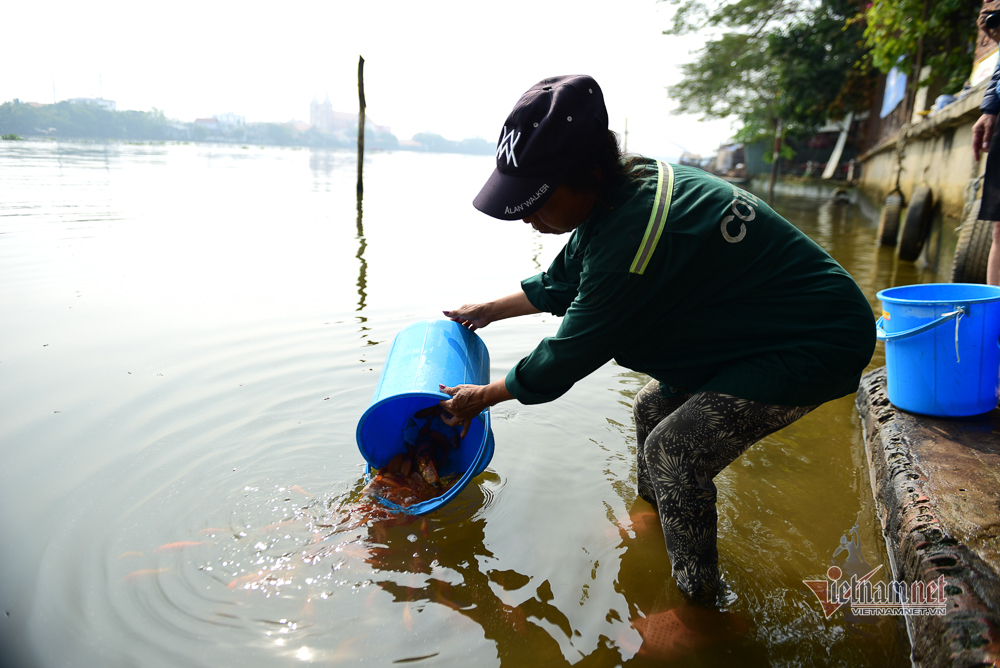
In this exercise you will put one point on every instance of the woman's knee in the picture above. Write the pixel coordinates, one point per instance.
(644, 407)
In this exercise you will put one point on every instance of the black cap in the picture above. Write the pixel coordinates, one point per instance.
(557, 123)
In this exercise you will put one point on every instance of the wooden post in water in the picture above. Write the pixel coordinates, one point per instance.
(361, 122)
(774, 162)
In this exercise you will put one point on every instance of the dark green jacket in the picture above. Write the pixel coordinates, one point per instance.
(734, 299)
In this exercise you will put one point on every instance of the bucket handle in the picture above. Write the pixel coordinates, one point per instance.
(883, 335)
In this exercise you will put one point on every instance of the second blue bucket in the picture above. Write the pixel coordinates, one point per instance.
(423, 355)
(942, 354)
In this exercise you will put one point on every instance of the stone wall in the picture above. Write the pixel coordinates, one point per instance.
(937, 150)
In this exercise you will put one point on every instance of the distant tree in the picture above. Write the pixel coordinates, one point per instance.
(275, 133)
(940, 33)
(802, 62)
(82, 121)
(732, 75)
(822, 66)
(434, 142)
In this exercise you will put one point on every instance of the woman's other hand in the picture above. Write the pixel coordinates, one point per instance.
(982, 133)
(473, 316)
(477, 316)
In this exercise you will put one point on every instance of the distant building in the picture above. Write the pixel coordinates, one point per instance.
(99, 102)
(324, 118)
(210, 124)
(230, 120)
(321, 115)
(728, 156)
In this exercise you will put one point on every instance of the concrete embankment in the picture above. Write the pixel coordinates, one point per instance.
(936, 151)
(936, 484)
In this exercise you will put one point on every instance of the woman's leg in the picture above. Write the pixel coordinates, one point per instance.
(683, 453)
(648, 409)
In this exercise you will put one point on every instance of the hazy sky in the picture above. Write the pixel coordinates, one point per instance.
(446, 66)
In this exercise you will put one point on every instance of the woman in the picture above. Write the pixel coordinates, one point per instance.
(984, 140)
(744, 324)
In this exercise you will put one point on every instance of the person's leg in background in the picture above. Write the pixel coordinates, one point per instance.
(993, 264)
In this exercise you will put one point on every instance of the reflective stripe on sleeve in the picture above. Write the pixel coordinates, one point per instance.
(657, 219)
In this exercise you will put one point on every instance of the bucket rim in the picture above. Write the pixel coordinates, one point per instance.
(394, 397)
(882, 295)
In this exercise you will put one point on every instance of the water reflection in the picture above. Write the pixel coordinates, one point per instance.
(360, 256)
(321, 553)
(536, 249)
(218, 448)
(322, 163)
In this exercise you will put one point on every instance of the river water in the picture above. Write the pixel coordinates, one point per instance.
(188, 336)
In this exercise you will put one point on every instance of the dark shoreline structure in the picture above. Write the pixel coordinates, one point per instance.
(937, 490)
(67, 120)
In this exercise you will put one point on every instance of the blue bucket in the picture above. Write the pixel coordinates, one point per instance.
(942, 354)
(423, 355)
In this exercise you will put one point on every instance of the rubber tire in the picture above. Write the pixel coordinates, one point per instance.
(916, 225)
(888, 221)
(972, 252)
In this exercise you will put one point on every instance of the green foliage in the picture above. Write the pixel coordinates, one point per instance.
(752, 16)
(11, 137)
(822, 68)
(947, 28)
(802, 62)
(731, 75)
(81, 121)
(276, 133)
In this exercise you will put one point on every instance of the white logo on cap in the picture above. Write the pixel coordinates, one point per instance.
(506, 145)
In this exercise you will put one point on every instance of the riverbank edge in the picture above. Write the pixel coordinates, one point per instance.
(920, 535)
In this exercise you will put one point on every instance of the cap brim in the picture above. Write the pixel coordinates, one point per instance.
(514, 197)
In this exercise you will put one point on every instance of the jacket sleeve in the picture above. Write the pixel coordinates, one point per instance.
(554, 290)
(593, 328)
(991, 102)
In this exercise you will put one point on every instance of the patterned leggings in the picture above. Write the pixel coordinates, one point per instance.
(683, 443)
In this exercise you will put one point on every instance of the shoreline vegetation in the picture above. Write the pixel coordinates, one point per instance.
(68, 120)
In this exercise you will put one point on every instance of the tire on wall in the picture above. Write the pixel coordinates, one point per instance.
(888, 221)
(916, 225)
(972, 251)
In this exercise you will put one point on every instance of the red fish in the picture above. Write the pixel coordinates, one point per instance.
(248, 578)
(179, 545)
(673, 634)
(426, 465)
(407, 617)
(144, 573)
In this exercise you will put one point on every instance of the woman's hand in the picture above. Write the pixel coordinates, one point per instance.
(473, 316)
(468, 401)
(982, 133)
(477, 316)
(465, 404)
